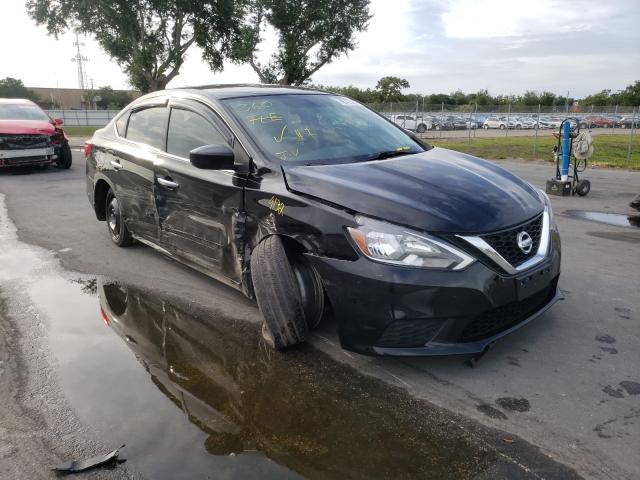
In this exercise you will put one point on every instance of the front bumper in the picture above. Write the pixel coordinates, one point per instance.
(27, 157)
(391, 310)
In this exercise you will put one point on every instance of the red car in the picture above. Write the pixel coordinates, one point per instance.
(28, 136)
(597, 121)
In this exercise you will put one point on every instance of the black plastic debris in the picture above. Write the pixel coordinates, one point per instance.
(74, 466)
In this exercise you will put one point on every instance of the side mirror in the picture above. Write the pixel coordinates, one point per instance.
(58, 121)
(212, 157)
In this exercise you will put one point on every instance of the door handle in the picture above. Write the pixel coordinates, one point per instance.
(170, 184)
(116, 165)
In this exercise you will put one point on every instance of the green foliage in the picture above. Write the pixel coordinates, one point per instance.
(630, 96)
(390, 88)
(311, 34)
(14, 88)
(147, 38)
(111, 99)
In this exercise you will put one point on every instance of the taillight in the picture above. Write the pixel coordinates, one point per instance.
(105, 317)
(87, 149)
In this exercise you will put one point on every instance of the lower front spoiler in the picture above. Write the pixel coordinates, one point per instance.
(468, 348)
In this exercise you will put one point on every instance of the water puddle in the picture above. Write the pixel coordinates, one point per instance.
(197, 395)
(615, 219)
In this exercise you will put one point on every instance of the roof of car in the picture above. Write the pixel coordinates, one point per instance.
(248, 90)
(16, 100)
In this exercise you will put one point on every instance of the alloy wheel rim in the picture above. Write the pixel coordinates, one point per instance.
(113, 217)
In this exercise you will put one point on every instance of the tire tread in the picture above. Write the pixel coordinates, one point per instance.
(278, 294)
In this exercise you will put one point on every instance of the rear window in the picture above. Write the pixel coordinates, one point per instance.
(147, 126)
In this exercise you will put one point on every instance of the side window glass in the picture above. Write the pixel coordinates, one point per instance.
(188, 130)
(147, 126)
(121, 124)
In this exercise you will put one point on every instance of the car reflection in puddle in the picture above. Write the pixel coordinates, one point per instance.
(301, 410)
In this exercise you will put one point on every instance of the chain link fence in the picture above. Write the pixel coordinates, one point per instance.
(505, 131)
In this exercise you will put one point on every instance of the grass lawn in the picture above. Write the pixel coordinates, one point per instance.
(610, 150)
(80, 131)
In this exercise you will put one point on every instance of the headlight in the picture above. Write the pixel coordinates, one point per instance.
(388, 243)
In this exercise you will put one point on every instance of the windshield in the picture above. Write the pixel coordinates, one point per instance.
(316, 129)
(21, 111)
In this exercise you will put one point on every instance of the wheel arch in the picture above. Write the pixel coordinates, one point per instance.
(100, 190)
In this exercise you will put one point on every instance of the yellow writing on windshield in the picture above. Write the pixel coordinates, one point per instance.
(278, 140)
(249, 107)
(402, 149)
(270, 117)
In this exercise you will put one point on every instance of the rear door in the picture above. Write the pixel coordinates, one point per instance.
(198, 209)
(132, 161)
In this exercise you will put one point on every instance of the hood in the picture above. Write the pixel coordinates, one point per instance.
(26, 127)
(438, 190)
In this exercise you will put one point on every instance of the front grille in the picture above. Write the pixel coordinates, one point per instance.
(21, 142)
(506, 242)
(501, 318)
(409, 333)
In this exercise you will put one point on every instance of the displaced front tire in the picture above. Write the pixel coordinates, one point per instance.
(118, 230)
(278, 295)
(65, 159)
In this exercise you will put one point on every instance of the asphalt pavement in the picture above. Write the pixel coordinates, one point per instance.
(568, 384)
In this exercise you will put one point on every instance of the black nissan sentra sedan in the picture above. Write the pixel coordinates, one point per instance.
(311, 203)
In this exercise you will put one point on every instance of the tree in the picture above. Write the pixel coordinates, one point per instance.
(630, 96)
(600, 98)
(147, 38)
(14, 88)
(111, 99)
(311, 34)
(390, 88)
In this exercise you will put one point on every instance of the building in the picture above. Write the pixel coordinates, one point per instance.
(68, 98)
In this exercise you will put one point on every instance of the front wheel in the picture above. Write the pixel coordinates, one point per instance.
(623, 125)
(118, 230)
(65, 159)
(289, 293)
(502, 127)
(438, 127)
(421, 128)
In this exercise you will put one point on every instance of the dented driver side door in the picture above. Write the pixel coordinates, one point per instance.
(198, 209)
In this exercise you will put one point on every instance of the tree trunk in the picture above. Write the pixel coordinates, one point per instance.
(159, 83)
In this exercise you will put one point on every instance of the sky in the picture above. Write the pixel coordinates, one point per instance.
(439, 46)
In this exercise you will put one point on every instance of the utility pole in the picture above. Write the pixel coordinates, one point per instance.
(80, 59)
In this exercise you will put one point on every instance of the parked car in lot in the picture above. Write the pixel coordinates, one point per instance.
(629, 122)
(527, 123)
(597, 121)
(500, 122)
(29, 137)
(309, 202)
(412, 123)
(443, 123)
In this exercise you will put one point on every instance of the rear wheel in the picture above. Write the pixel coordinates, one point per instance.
(65, 159)
(437, 127)
(502, 127)
(118, 230)
(623, 125)
(288, 291)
